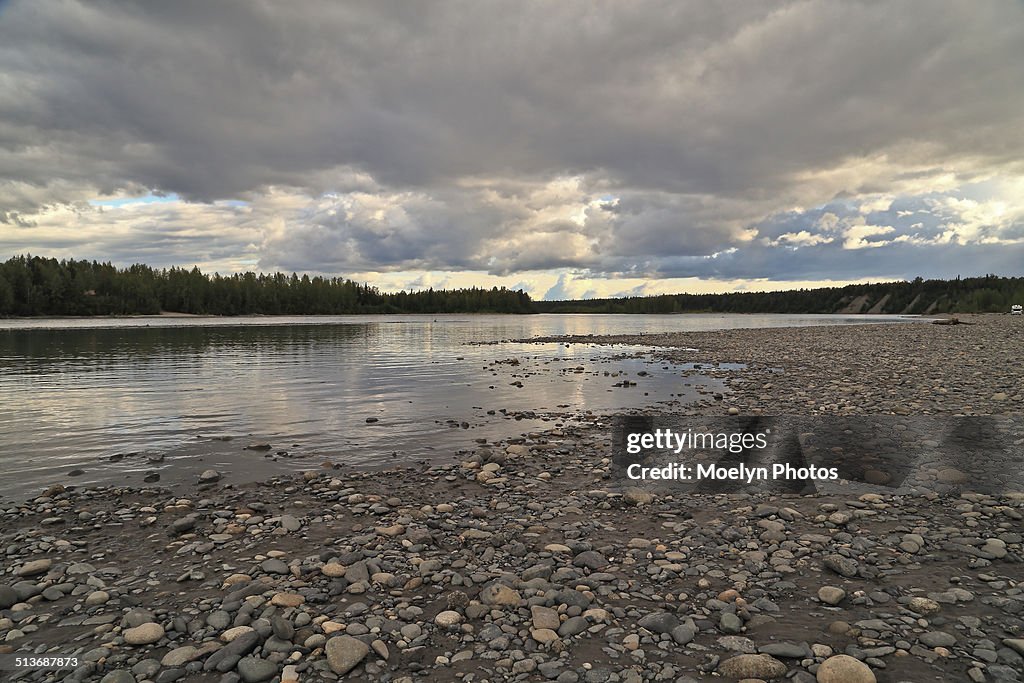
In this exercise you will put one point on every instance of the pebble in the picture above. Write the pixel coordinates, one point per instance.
(255, 670)
(448, 618)
(831, 595)
(144, 634)
(844, 669)
(344, 653)
(752, 666)
(35, 567)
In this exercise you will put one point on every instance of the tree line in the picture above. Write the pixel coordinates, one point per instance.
(33, 286)
(988, 294)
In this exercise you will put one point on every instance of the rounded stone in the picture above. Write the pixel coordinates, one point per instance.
(209, 476)
(35, 567)
(344, 653)
(752, 666)
(544, 635)
(8, 597)
(844, 669)
(146, 634)
(233, 633)
(938, 639)
(287, 600)
(96, 598)
(448, 618)
(831, 595)
(500, 595)
(255, 670)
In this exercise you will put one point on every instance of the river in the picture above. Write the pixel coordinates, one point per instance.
(103, 401)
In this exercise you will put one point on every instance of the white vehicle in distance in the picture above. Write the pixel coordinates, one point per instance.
(1016, 309)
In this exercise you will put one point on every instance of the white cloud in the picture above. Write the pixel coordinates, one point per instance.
(857, 232)
(799, 239)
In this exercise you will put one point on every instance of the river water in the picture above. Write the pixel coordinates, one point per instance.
(86, 401)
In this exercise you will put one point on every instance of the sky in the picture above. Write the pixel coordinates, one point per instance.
(570, 148)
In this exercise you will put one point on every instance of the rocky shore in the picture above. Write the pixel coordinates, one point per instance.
(914, 368)
(526, 561)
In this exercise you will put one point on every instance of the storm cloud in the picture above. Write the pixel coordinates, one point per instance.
(736, 141)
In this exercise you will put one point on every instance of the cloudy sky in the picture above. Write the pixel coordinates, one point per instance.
(573, 148)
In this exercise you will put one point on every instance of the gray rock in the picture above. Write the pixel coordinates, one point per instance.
(145, 634)
(218, 620)
(358, 572)
(501, 595)
(179, 656)
(170, 675)
(591, 559)
(254, 670)
(573, 626)
(635, 496)
(841, 565)
(831, 595)
(274, 566)
(844, 669)
(752, 666)
(118, 676)
(684, 633)
(730, 623)
(225, 658)
(938, 639)
(8, 597)
(35, 567)
(283, 628)
(209, 476)
(1003, 674)
(147, 668)
(659, 622)
(136, 617)
(344, 653)
(184, 524)
(738, 644)
(786, 650)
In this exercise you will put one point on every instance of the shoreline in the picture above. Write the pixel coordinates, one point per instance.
(523, 560)
(174, 314)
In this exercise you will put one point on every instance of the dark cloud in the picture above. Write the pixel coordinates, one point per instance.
(648, 138)
(830, 262)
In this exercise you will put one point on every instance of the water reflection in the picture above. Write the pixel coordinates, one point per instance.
(73, 395)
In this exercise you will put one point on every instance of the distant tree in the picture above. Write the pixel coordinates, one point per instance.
(30, 285)
(6, 296)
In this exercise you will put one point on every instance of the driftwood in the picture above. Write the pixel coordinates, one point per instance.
(951, 321)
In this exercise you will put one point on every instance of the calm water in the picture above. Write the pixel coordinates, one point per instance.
(103, 401)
